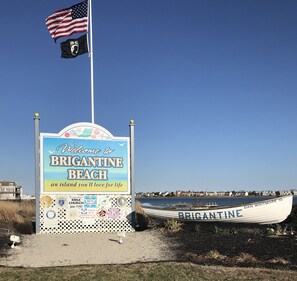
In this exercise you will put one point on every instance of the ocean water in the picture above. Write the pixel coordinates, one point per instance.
(222, 201)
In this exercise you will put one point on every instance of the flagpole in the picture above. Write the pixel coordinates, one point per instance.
(91, 58)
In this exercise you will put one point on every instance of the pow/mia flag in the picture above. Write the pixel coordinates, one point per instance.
(72, 48)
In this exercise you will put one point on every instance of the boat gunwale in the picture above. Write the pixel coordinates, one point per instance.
(214, 207)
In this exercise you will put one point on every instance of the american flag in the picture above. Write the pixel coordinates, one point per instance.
(67, 21)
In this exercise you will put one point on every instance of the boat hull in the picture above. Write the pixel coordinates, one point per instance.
(269, 211)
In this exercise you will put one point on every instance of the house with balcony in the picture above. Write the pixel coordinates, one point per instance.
(10, 190)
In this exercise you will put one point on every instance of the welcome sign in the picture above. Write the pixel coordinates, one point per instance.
(85, 165)
(84, 159)
(85, 181)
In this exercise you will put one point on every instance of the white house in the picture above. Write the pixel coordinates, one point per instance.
(9, 190)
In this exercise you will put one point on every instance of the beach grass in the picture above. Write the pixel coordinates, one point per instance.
(144, 271)
(16, 211)
(142, 219)
(18, 215)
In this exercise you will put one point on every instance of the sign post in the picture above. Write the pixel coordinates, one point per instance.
(132, 171)
(37, 171)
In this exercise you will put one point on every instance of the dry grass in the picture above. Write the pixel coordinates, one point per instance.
(142, 219)
(138, 208)
(279, 261)
(211, 255)
(18, 215)
(215, 255)
(172, 226)
(12, 211)
(245, 258)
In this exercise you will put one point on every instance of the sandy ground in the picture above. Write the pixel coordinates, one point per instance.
(88, 248)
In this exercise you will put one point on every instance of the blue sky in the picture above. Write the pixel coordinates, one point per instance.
(211, 86)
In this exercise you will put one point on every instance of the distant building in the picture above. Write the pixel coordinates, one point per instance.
(242, 193)
(210, 193)
(28, 197)
(9, 190)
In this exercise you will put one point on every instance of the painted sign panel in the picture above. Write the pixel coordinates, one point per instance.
(85, 165)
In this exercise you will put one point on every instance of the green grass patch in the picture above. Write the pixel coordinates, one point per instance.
(144, 271)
